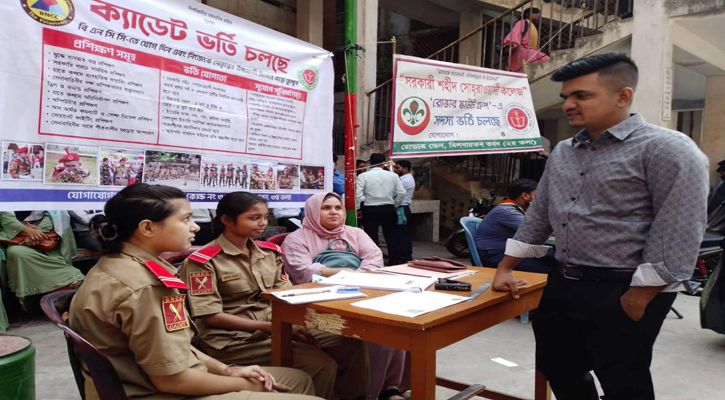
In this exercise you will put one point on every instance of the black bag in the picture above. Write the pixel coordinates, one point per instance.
(712, 302)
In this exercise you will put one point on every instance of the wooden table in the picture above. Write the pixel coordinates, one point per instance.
(421, 336)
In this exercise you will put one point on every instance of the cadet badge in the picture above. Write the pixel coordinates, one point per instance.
(174, 312)
(201, 283)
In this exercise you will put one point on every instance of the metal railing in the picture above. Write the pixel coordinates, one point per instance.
(496, 171)
(557, 30)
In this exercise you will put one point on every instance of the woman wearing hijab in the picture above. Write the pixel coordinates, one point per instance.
(324, 222)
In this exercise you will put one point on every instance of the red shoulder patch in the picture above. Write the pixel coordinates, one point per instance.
(203, 256)
(269, 246)
(201, 283)
(165, 276)
(174, 313)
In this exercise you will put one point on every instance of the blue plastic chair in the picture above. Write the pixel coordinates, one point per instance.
(470, 225)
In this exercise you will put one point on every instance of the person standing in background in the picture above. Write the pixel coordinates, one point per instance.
(403, 169)
(79, 221)
(524, 42)
(383, 193)
(338, 180)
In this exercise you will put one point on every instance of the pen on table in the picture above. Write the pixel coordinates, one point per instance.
(348, 290)
(305, 293)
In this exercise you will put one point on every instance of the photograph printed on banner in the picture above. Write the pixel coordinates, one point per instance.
(68, 164)
(228, 173)
(180, 170)
(120, 167)
(23, 161)
(288, 176)
(261, 177)
(312, 177)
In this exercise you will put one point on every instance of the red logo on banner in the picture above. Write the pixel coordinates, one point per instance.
(413, 115)
(517, 118)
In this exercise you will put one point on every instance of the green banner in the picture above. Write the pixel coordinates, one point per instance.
(465, 145)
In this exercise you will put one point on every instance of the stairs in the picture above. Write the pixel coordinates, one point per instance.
(614, 36)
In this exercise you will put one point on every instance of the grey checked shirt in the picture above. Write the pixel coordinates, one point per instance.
(636, 197)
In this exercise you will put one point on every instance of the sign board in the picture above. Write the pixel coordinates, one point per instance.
(100, 94)
(442, 108)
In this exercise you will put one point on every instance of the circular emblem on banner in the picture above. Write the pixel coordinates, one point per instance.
(413, 115)
(518, 119)
(50, 12)
(308, 76)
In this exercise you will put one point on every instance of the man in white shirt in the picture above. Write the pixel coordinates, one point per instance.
(383, 193)
(403, 169)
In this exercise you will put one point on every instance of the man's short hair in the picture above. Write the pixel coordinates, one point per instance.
(359, 161)
(405, 164)
(617, 68)
(105, 158)
(334, 157)
(529, 11)
(519, 186)
(377, 158)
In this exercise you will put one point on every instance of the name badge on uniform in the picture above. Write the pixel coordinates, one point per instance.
(201, 283)
(174, 312)
(231, 277)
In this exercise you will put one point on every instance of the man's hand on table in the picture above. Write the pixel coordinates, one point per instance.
(505, 281)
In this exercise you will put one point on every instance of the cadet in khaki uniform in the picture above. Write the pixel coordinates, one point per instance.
(226, 282)
(131, 309)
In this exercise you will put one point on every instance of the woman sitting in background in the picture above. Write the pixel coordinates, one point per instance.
(31, 271)
(324, 222)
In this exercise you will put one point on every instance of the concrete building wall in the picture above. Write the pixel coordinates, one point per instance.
(282, 19)
(713, 136)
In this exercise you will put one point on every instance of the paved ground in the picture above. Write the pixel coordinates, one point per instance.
(689, 362)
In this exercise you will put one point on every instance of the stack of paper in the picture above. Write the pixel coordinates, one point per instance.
(398, 283)
(404, 269)
(304, 296)
(410, 304)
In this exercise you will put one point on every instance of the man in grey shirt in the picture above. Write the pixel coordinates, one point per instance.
(627, 200)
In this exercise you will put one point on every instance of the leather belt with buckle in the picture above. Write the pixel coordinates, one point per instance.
(584, 273)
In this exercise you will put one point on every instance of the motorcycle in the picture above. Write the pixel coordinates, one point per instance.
(456, 243)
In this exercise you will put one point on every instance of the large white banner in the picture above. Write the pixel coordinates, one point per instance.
(450, 109)
(99, 94)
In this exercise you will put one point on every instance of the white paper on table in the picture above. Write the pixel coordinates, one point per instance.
(409, 304)
(314, 295)
(399, 283)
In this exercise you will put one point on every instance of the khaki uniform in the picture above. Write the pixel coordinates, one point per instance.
(140, 323)
(222, 279)
(121, 175)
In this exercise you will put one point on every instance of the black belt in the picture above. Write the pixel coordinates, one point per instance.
(584, 273)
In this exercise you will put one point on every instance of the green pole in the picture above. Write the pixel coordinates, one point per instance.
(351, 48)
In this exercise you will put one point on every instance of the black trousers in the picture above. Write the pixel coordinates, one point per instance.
(376, 216)
(406, 242)
(580, 327)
